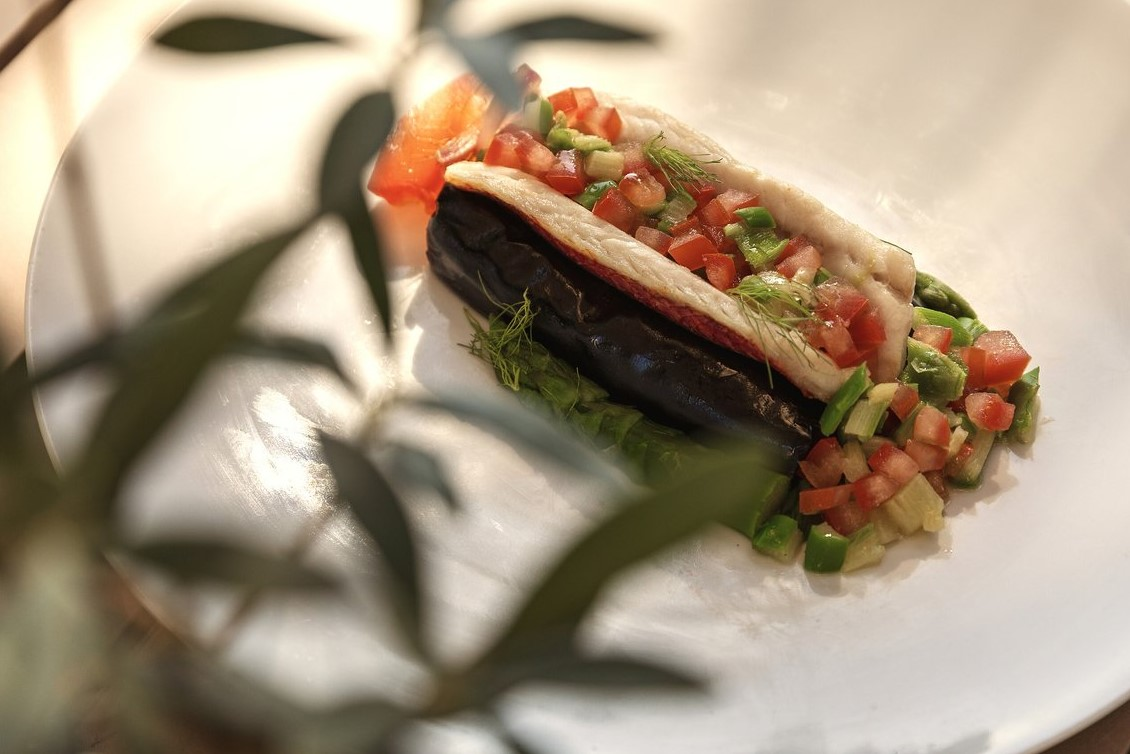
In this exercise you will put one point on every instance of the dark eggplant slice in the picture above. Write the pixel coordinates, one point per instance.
(488, 255)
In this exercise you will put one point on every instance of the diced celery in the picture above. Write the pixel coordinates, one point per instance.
(604, 166)
(885, 529)
(679, 207)
(939, 378)
(916, 506)
(779, 538)
(868, 413)
(1025, 396)
(864, 548)
(537, 115)
(967, 473)
(855, 461)
(824, 550)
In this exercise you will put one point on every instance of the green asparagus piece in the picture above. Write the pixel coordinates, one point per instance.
(933, 294)
(1023, 395)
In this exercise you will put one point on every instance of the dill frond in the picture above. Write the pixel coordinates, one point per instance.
(506, 333)
(679, 167)
(785, 304)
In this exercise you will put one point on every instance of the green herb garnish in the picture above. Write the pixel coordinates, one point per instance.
(777, 300)
(680, 168)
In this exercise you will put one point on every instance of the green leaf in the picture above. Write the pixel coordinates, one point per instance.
(421, 469)
(210, 561)
(379, 511)
(289, 348)
(170, 348)
(368, 254)
(360, 725)
(564, 27)
(226, 34)
(432, 14)
(712, 489)
(489, 58)
(616, 673)
(356, 137)
(530, 430)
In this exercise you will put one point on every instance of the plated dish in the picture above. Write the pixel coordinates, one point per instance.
(1017, 600)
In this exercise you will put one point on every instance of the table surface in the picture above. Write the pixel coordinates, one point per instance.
(44, 95)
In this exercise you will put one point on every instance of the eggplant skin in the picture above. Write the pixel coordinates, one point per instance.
(488, 255)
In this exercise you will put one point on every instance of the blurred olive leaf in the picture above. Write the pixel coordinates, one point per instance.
(491, 57)
(381, 514)
(227, 34)
(614, 673)
(172, 346)
(708, 490)
(354, 726)
(516, 423)
(356, 137)
(215, 562)
(421, 469)
(289, 348)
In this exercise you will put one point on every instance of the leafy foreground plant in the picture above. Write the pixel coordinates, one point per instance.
(70, 666)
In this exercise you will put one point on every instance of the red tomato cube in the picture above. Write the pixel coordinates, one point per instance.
(823, 498)
(568, 173)
(688, 250)
(503, 151)
(894, 463)
(934, 335)
(873, 490)
(838, 301)
(906, 398)
(824, 464)
(616, 209)
(1005, 358)
(806, 258)
(928, 457)
(847, 518)
(602, 121)
(642, 190)
(654, 238)
(989, 411)
(931, 427)
(721, 271)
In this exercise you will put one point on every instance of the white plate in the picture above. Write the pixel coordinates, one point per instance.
(990, 140)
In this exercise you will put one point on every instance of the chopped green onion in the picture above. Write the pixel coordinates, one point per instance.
(868, 413)
(537, 115)
(975, 327)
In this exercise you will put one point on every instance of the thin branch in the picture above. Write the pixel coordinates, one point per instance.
(39, 20)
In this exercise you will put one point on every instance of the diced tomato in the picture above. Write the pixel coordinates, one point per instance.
(503, 151)
(721, 271)
(654, 238)
(718, 237)
(806, 258)
(642, 190)
(837, 301)
(867, 330)
(602, 121)
(835, 340)
(691, 225)
(568, 174)
(928, 457)
(1005, 358)
(720, 210)
(822, 498)
(906, 398)
(616, 209)
(442, 129)
(931, 427)
(824, 464)
(689, 250)
(974, 359)
(894, 463)
(795, 244)
(701, 191)
(537, 159)
(873, 490)
(528, 78)
(635, 161)
(989, 411)
(847, 518)
(574, 100)
(935, 335)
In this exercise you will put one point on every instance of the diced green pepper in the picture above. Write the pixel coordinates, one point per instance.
(824, 550)
(939, 378)
(854, 387)
(760, 247)
(588, 143)
(561, 137)
(592, 193)
(779, 538)
(756, 217)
